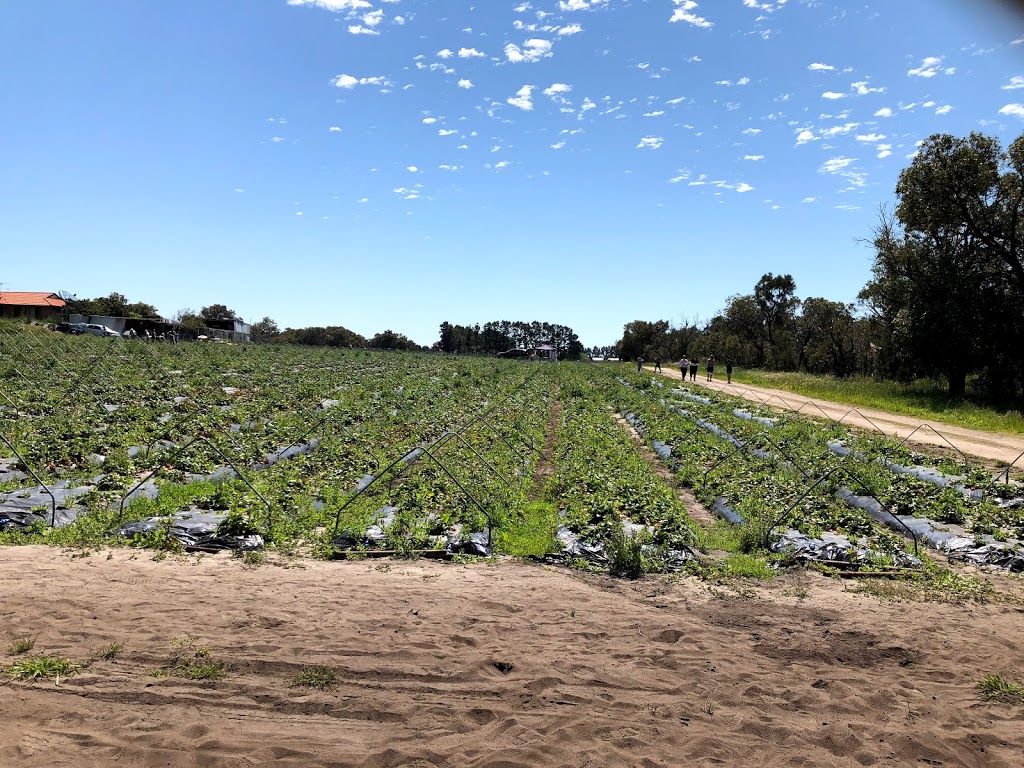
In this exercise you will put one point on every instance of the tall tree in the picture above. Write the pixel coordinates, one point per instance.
(217, 312)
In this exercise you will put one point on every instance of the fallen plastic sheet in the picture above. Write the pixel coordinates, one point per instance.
(24, 507)
(835, 548)
(8, 473)
(954, 541)
(723, 510)
(194, 529)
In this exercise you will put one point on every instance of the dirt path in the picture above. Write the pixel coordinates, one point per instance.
(995, 446)
(499, 665)
(697, 511)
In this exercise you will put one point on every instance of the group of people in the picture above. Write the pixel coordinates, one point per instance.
(687, 366)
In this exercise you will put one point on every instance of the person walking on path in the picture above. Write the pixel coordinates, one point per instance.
(728, 369)
(711, 367)
(639, 364)
(657, 365)
(684, 366)
(694, 364)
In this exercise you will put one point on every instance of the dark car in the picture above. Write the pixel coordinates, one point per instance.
(514, 353)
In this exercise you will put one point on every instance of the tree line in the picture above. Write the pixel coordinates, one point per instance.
(501, 335)
(945, 301)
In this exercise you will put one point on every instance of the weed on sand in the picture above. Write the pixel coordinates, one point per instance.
(42, 668)
(315, 678)
(998, 688)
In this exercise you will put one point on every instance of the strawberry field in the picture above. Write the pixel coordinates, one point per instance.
(354, 453)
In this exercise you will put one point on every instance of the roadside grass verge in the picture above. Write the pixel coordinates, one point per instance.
(923, 399)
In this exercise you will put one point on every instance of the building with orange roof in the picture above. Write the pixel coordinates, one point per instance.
(34, 305)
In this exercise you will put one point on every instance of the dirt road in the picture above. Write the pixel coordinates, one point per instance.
(995, 446)
(489, 666)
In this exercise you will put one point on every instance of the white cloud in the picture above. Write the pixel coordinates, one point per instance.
(753, 157)
(751, 131)
(1015, 82)
(559, 145)
(523, 98)
(863, 89)
(373, 18)
(445, 53)
(835, 165)
(467, 84)
(347, 81)
(450, 167)
(578, 5)
(446, 132)
(945, 109)
(930, 67)
(836, 130)
(871, 137)
(650, 142)
(334, 129)
(532, 50)
(655, 113)
(743, 81)
(684, 13)
(570, 29)
(884, 150)
(884, 112)
(556, 89)
(816, 67)
(429, 120)
(743, 187)
(333, 5)
(412, 169)
(356, 29)
(832, 95)
(805, 136)
(677, 100)
(808, 200)
(470, 53)
(276, 139)
(1017, 110)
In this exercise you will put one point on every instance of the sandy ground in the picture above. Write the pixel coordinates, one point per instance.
(996, 446)
(495, 665)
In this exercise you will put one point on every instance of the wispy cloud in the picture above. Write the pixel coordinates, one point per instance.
(1017, 110)
(817, 67)
(930, 67)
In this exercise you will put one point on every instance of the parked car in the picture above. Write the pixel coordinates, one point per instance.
(74, 328)
(99, 330)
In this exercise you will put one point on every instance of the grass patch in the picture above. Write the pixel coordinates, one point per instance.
(923, 399)
(933, 585)
(192, 662)
(998, 688)
(42, 668)
(532, 534)
(747, 567)
(21, 645)
(107, 652)
(316, 678)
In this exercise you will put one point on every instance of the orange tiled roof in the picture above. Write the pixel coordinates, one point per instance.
(31, 299)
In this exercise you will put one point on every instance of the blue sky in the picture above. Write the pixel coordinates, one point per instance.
(397, 163)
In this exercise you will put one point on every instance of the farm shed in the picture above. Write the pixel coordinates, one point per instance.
(34, 305)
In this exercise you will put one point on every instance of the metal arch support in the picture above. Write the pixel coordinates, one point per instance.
(1006, 472)
(194, 440)
(822, 412)
(869, 421)
(44, 486)
(789, 459)
(486, 514)
(776, 397)
(785, 515)
(933, 429)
